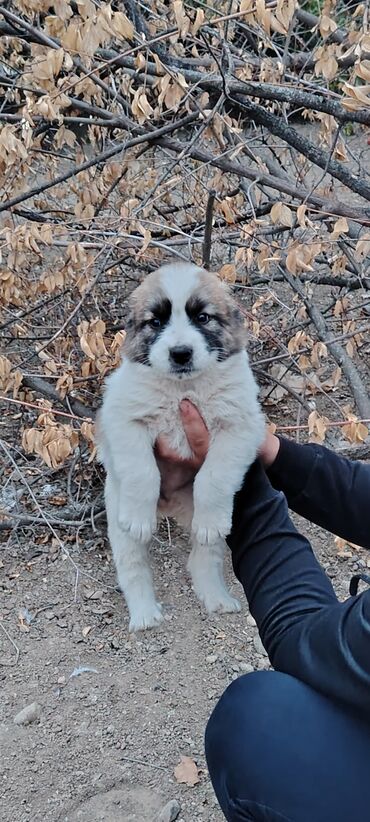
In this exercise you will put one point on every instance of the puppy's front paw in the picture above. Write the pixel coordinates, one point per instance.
(210, 528)
(145, 616)
(139, 528)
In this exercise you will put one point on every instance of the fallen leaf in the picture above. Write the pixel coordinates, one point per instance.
(186, 772)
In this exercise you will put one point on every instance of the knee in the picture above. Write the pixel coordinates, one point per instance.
(252, 708)
(242, 701)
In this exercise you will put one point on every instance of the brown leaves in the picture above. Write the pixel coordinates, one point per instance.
(187, 772)
(300, 257)
(356, 97)
(317, 427)
(326, 63)
(228, 273)
(10, 379)
(355, 431)
(261, 14)
(121, 26)
(141, 107)
(182, 20)
(47, 66)
(53, 444)
(11, 148)
(281, 213)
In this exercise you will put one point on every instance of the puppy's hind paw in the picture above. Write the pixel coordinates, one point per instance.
(145, 616)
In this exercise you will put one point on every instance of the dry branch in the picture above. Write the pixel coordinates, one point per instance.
(238, 93)
(45, 388)
(355, 382)
(336, 208)
(208, 229)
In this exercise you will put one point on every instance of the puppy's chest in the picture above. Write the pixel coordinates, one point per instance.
(212, 402)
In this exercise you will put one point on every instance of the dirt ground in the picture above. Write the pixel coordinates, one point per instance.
(116, 711)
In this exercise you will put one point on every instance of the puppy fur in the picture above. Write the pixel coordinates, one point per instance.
(185, 340)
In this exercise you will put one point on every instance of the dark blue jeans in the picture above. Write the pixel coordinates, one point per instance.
(293, 745)
(278, 751)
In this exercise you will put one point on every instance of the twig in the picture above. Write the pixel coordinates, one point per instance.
(291, 136)
(17, 651)
(41, 386)
(148, 136)
(336, 208)
(338, 353)
(13, 520)
(276, 381)
(208, 229)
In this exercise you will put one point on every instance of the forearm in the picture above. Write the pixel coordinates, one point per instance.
(325, 488)
(306, 631)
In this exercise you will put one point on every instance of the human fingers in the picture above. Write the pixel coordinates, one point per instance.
(195, 430)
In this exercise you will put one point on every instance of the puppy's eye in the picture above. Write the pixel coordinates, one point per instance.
(203, 318)
(155, 322)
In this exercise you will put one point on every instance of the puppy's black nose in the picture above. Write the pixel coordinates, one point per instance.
(181, 354)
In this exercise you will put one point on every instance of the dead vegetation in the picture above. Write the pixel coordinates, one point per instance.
(129, 133)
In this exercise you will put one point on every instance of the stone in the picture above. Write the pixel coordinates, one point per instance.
(246, 667)
(28, 714)
(258, 646)
(169, 813)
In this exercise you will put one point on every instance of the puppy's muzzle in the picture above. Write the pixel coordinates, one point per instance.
(181, 356)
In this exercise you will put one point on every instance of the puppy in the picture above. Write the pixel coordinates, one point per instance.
(185, 340)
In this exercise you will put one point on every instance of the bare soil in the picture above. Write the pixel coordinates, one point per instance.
(107, 740)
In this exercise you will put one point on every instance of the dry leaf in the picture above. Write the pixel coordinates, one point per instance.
(343, 545)
(228, 273)
(317, 427)
(186, 772)
(280, 213)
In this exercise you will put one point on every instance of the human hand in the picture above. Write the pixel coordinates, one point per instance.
(269, 449)
(175, 471)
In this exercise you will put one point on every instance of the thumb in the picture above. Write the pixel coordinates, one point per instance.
(195, 430)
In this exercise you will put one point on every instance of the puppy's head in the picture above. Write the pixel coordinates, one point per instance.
(181, 320)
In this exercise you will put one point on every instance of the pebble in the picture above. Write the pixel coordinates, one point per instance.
(258, 646)
(246, 667)
(211, 658)
(169, 813)
(262, 664)
(28, 714)
(251, 620)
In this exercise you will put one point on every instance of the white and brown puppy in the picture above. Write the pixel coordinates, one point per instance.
(185, 340)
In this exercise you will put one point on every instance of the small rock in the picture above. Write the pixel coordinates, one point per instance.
(28, 714)
(211, 658)
(262, 664)
(169, 813)
(251, 620)
(246, 667)
(258, 646)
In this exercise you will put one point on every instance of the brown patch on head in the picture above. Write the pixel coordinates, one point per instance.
(146, 303)
(225, 330)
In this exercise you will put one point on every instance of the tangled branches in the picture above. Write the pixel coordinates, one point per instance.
(119, 123)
